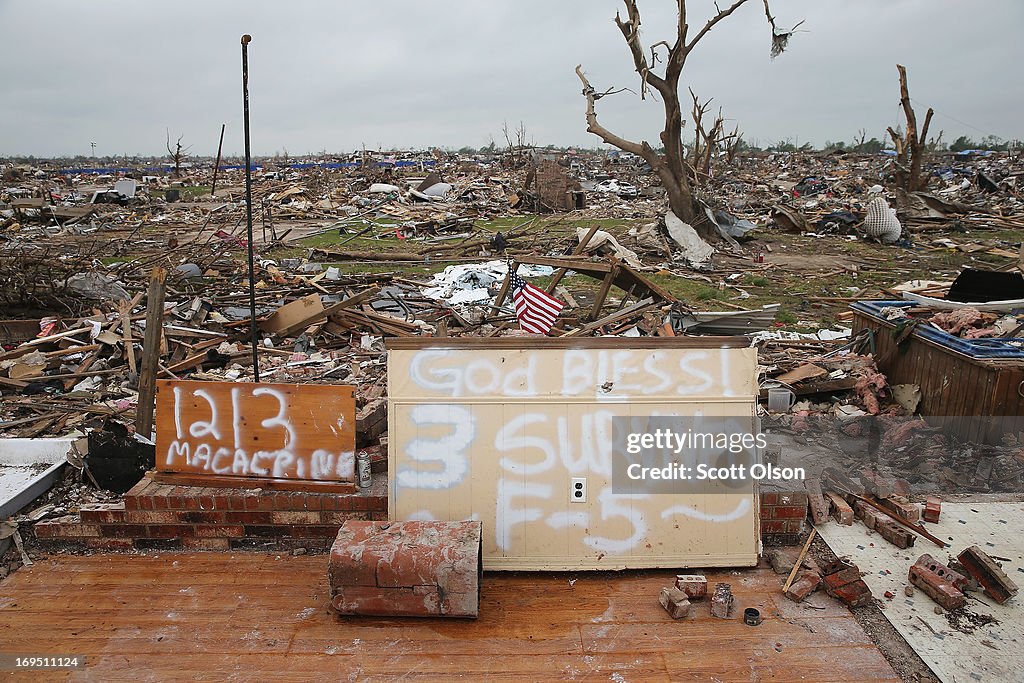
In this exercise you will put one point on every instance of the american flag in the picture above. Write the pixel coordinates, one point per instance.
(535, 308)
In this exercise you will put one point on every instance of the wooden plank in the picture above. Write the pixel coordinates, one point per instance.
(416, 343)
(271, 431)
(151, 351)
(293, 316)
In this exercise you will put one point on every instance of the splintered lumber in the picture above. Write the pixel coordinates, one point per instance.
(799, 559)
(151, 352)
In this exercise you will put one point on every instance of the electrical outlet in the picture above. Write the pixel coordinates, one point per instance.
(578, 490)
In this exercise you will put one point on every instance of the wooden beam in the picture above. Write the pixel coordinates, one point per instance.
(151, 352)
(575, 252)
(602, 294)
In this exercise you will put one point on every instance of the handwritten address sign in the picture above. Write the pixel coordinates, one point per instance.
(273, 431)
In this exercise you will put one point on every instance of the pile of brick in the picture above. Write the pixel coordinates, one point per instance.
(842, 580)
(676, 599)
(973, 569)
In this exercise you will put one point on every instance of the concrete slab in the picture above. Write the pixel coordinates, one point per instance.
(991, 652)
(29, 467)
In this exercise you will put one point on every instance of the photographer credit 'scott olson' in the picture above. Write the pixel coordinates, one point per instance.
(667, 440)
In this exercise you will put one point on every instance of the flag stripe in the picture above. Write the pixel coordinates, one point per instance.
(536, 309)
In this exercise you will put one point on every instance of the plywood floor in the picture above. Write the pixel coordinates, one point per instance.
(990, 653)
(248, 616)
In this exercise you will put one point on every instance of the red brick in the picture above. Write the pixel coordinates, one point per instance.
(312, 530)
(985, 571)
(176, 497)
(252, 501)
(65, 527)
(163, 531)
(856, 594)
(151, 517)
(205, 544)
(794, 526)
(160, 497)
(283, 501)
(902, 508)
(201, 516)
(936, 587)
(805, 584)
(290, 517)
(191, 501)
(247, 517)
(769, 499)
(105, 513)
(139, 487)
(932, 509)
(773, 527)
(207, 500)
(959, 581)
(841, 510)
(789, 512)
(266, 502)
(675, 602)
(895, 534)
(218, 531)
(123, 530)
(842, 577)
(110, 543)
(694, 586)
(867, 514)
(794, 498)
(314, 502)
(145, 502)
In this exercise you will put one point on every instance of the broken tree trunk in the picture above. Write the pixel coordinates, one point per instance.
(910, 149)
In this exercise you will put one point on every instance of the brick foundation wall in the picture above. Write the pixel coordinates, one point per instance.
(196, 518)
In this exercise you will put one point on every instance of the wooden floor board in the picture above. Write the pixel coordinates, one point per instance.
(253, 616)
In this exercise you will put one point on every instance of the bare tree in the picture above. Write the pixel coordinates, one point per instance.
(517, 141)
(670, 165)
(706, 141)
(910, 147)
(178, 154)
(859, 140)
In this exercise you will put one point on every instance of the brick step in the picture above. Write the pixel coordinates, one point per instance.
(149, 495)
(115, 513)
(156, 515)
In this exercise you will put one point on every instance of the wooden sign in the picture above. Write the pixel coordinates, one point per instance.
(285, 436)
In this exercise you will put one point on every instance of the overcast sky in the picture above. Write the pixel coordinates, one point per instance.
(397, 74)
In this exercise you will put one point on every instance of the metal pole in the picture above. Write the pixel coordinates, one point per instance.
(248, 211)
(216, 167)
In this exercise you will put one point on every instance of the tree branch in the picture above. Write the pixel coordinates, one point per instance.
(600, 131)
(631, 32)
(711, 23)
